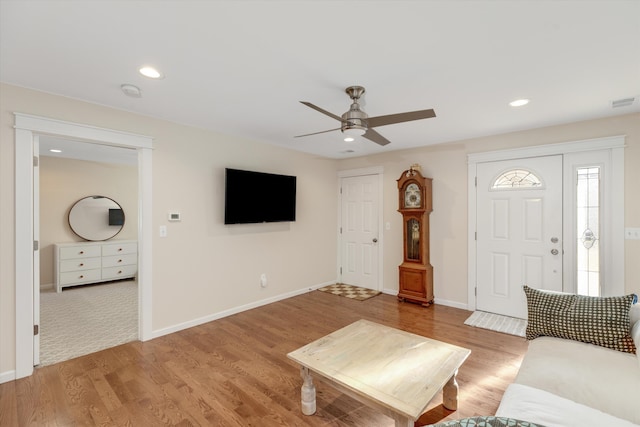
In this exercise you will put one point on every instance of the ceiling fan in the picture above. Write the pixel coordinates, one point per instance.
(357, 122)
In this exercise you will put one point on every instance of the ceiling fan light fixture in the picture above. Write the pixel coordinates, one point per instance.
(354, 131)
(349, 139)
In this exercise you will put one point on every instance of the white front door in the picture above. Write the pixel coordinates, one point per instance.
(359, 231)
(519, 231)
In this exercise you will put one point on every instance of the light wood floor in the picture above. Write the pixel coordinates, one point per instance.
(234, 371)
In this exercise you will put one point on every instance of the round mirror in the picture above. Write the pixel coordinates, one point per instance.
(96, 218)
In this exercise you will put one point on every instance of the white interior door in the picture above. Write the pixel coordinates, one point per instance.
(519, 231)
(359, 231)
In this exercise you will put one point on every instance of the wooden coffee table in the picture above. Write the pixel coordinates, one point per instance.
(392, 371)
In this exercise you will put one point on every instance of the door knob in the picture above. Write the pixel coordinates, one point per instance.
(554, 240)
(554, 252)
(375, 240)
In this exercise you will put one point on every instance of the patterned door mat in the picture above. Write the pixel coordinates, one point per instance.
(497, 322)
(349, 291)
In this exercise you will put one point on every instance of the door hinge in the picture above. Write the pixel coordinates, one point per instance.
(340, 230)
(35, 161)
(341, 270)
(36, 329)
(475, 235)
(476, 181)
(340, 190)
(475, 291)
(36, 244)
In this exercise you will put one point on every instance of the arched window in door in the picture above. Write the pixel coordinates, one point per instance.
(516, 179)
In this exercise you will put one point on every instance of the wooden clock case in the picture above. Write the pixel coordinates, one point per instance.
(416, 272)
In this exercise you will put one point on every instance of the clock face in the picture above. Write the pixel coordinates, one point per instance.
(412, 196)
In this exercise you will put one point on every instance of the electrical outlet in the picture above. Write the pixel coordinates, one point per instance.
(163, 231)
(632, 233)
(263, 280)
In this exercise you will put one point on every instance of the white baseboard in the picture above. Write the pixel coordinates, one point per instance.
(46, 286)
(390, 291)
(235, 310)
(5, 377)
(454, 304)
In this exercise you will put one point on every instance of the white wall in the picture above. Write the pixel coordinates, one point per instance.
(447, 165)
(203, 268)
(65, 181)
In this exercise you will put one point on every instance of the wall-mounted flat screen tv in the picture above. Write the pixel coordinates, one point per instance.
(255, 197)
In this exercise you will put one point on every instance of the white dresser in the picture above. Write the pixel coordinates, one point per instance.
(79, 263)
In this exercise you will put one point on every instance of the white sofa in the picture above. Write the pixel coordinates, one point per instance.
(565, 383)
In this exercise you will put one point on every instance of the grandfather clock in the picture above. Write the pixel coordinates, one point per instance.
(416, 272)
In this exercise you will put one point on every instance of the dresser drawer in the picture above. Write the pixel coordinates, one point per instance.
(72, 252)
(119, 272)
(116, 260)
(77, 277)
(79, 264)
(109, 249)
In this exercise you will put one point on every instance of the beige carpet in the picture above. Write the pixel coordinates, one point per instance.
(86, 319)
(349, 291)
(497, 322)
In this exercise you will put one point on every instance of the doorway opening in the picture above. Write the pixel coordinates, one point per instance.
(88, 234)
(27, 130)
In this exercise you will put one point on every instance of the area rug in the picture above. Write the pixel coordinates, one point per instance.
(497, 322)
(349, 291)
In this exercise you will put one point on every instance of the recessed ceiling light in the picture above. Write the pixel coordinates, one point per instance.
(150, 72)
(55, 150)
(519, 102)
(349, 139)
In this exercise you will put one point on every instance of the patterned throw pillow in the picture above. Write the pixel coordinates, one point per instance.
(602, 321)
(488, 421)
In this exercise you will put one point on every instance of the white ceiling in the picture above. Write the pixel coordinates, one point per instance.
(240, 67)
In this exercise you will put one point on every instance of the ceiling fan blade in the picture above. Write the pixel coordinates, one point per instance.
(400, 117)
(316, 133)
(325, 112)
(374, 136)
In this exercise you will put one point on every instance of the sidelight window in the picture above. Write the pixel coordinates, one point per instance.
(588, 231)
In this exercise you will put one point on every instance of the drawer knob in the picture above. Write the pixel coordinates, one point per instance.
(119, 249)
(81, 252)
(120, 272)
(81, 264)
(119, 260)
(81, 276)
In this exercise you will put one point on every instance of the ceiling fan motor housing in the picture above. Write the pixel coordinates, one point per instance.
(355, 120)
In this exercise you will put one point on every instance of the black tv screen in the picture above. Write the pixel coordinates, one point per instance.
(116, 217)
(255, 197)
